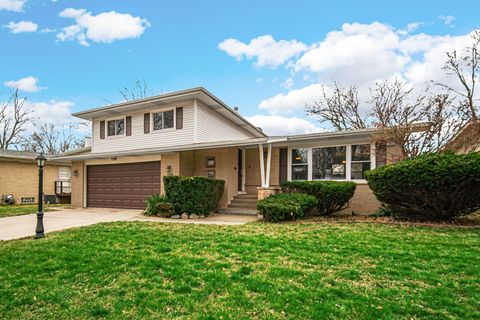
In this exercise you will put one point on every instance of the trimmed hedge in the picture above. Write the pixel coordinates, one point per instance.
(158, 205)
(430, 187)
(331, 196)
(198, 195)
(285, 206)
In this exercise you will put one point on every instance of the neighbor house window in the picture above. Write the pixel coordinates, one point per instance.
(361, 161)
(163, 120)
(300, 164)
(116, 127)
(329, 163)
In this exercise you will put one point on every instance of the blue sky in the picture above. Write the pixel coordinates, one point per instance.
(175, 45)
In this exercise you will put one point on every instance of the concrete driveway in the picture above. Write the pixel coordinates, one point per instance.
(24, 226)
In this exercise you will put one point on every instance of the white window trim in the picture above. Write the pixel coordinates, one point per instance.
(116, 136)
(174, 109)
(289, 161)
(348, 155)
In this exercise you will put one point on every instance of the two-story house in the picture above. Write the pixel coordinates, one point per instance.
(193, 133)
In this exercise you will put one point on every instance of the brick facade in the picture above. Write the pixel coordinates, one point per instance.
(20, 178)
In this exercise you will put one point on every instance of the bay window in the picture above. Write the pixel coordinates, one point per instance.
(344, 162)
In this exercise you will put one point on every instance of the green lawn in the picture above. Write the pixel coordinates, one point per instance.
(21, 209)
(136, 270)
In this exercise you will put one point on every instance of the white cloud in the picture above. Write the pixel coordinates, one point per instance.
(362, 54)
(264, 49)
(356, 53)
(279, 125)
(258, 80)
(105, 27)
(47, 30)
(27, 84)
(12, 5)
(288, 83)
(56, 112)
(292, 101)
(410, 27)
(21, 26)
(447, 20)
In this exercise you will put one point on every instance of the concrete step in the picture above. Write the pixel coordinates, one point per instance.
(242, 205)
(246, 196)
(241, 211)
(245, 201)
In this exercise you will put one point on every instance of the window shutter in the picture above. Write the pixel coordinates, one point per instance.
(146, 123)
(283, 164)
(102, 129)
(179, 119)
(128, 126)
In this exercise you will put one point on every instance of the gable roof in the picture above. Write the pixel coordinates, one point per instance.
(26, 156)
(199, 93)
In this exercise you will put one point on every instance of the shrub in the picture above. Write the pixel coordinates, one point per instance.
(198, 195)
(285, 206)
(430, 187)
(158, 205)
(331, 195)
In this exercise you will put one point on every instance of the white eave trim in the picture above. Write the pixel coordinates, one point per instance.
(187, 147)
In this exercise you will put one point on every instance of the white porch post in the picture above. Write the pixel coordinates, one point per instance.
(269, 160)
(262, 164)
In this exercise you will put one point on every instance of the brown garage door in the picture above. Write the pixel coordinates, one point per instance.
(122, 185)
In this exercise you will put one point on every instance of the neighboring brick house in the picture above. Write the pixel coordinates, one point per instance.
(193, 133)
(19, 177)
(467, 139)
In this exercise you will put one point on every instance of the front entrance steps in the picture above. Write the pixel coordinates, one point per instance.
(244, 204)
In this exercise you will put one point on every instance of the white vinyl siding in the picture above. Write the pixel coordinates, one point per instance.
(141, 140)
(213, 127)
(210, 127)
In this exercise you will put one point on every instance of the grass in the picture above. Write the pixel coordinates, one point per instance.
(134, 270)
(21, 209)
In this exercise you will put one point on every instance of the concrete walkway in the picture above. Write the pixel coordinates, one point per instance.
(24, 226)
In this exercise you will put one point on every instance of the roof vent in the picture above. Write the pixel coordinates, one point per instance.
(235, 109)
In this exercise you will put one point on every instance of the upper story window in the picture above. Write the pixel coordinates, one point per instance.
(163, 120)
(116, 127)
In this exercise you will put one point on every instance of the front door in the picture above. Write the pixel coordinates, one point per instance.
(240, 170)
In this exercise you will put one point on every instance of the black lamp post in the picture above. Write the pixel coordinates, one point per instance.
(39, 229)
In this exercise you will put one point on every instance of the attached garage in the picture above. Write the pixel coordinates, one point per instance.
(122, 185)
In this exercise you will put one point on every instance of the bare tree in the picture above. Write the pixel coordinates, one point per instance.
(340, 108)
(139, 90)
(50, 138)
(14, 116)
(466, 68)
(415, 124)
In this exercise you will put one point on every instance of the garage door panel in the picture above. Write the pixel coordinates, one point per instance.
(122, 185)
